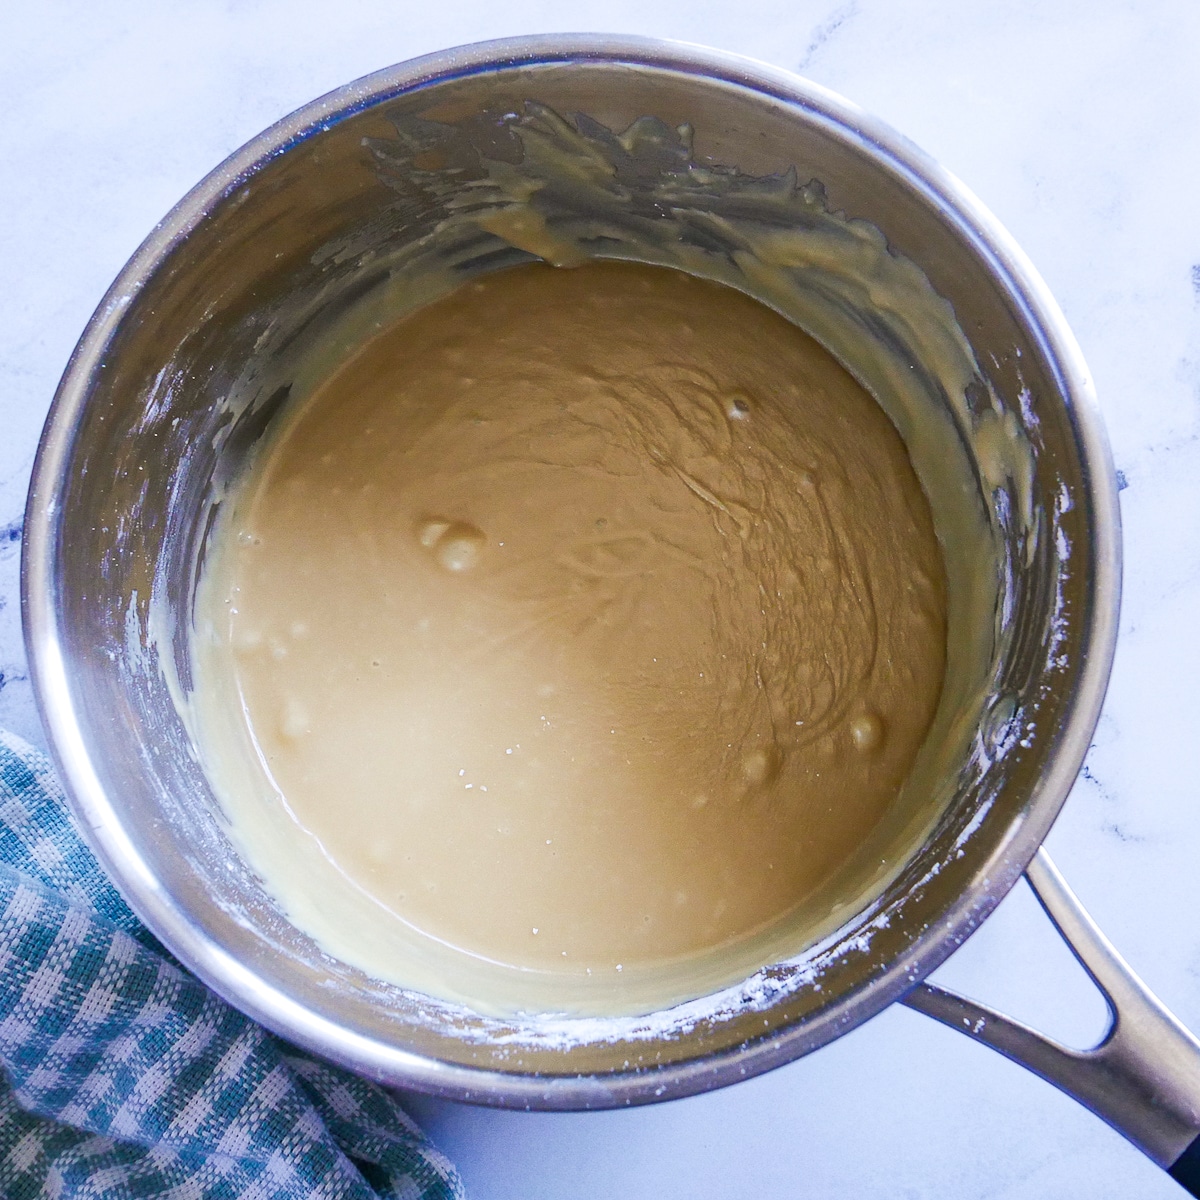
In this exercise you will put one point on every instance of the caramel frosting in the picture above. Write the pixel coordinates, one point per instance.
(584, 621)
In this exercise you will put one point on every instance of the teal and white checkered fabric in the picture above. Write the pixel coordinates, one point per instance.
(127, 1078)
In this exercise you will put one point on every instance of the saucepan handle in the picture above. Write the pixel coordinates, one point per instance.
(1143, 1078)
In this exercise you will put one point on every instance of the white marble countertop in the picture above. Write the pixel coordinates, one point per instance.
(1078, 123)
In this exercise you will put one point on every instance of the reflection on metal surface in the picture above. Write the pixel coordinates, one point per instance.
(1143, 1077)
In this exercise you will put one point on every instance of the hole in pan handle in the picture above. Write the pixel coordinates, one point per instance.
(1143, 1077)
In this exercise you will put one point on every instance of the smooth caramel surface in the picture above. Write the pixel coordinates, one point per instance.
(585, 620)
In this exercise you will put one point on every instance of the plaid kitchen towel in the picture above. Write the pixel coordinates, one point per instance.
(125, 1077)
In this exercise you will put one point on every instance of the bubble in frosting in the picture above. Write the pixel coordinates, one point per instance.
(866, 732)
(761, 765)
(456, 545)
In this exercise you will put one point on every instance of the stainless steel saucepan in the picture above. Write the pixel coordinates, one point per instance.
(277, 245)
